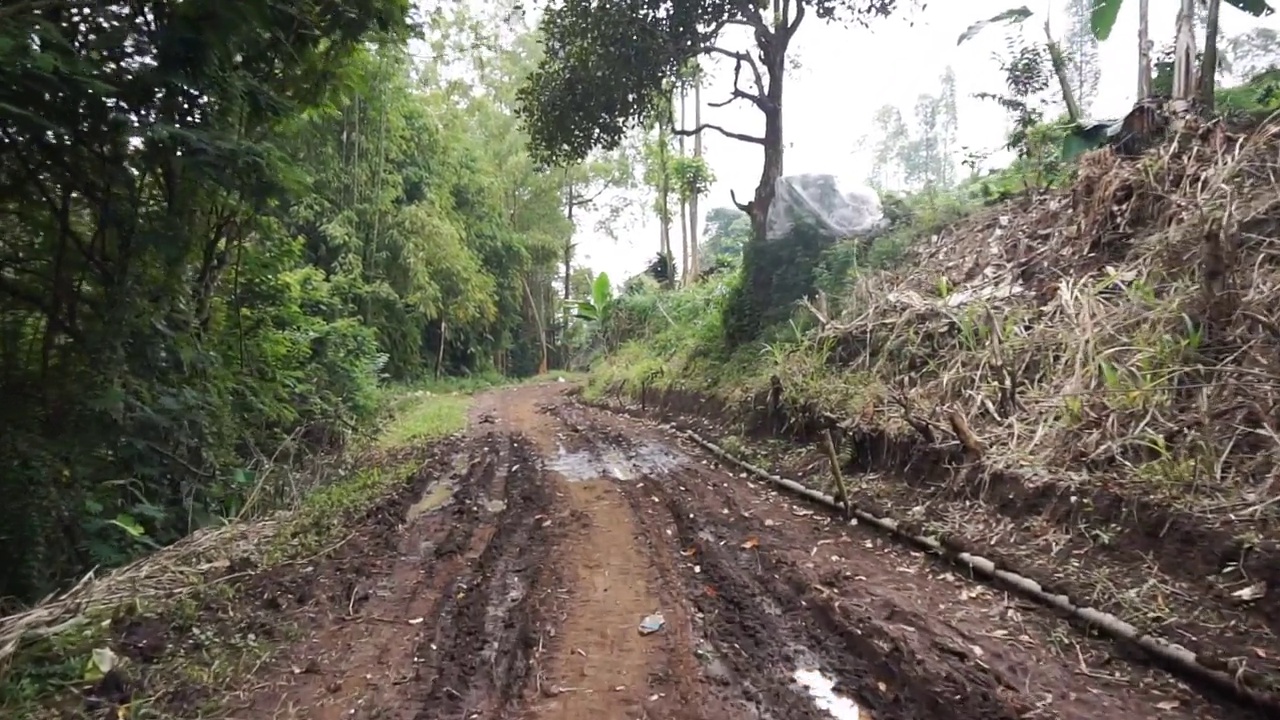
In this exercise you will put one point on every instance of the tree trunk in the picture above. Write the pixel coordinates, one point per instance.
(695, 262)
(537, 319)
(568, 271)
(684, 196)
(1064, 80)
(568, 247)
(1209, 64)
(745, 317)
(664, 198)
(1184, 57)
(1144, 51)
(773, 53)
(444, 329)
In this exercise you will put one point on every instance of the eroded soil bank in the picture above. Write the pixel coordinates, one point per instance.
(564, 563)
(1205, 582)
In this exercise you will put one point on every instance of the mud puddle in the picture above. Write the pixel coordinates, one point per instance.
(440, 493)
(822, 690)
(436, 497)
(608, 461)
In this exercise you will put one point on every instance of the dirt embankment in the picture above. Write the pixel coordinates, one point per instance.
(514, 578)
(1079, 385)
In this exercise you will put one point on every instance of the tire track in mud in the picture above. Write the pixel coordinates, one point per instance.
(765, 621)
(905, 641)
(773, 618)
(476, 660)
(359, 658)
(509, 550)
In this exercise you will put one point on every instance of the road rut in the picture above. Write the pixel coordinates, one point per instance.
(526, 567)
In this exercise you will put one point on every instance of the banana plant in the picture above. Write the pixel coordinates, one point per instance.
(1103, 19)
(597, 308)
(1085, 135)
(1082, 135)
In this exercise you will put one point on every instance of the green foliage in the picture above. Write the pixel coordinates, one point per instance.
(604, 68)
(685, 338)
(668, 330)
(727, 231)
(224, 226)
(1103, 18)
(326, 514)
(213, 643)
(596, 309)
(775, 276)
(428, 415)
(1040, 164)
(1258, 97)
(693, 177)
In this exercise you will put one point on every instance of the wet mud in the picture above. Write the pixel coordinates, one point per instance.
(563, 563)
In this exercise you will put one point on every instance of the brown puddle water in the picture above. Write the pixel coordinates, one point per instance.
(645, 458)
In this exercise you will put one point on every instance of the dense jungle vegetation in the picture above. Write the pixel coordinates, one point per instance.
(226, 228)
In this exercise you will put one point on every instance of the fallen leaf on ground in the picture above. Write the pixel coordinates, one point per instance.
(752, 542)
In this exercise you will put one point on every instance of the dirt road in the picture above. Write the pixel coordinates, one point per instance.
(527, 562)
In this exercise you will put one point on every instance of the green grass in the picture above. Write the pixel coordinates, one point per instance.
(425, 417)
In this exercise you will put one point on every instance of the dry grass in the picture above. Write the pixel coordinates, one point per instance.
(1126, 331)
(161, 576)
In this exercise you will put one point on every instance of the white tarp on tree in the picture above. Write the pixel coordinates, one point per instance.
(816, 198)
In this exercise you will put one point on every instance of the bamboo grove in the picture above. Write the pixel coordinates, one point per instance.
(222, 227)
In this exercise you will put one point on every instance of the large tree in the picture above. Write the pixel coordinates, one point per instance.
(607, 65)
(892, 138)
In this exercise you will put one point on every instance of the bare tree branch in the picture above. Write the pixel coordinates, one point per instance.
(795, 22)
(722, 131)
(739, 94)
(751, 17)
(739, 59)
(744, 207)
(585, 201)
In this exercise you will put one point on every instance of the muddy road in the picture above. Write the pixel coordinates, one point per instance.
(563, 563)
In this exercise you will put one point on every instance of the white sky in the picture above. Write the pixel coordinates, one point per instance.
(847, 73)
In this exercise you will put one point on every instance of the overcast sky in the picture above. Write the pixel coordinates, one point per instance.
(847, 73)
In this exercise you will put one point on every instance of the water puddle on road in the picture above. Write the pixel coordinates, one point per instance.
(822, 690)
(436, 496)
(439, 493)
(644, 458)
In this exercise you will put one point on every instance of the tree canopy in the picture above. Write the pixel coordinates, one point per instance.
(607, 63)
(225, 225)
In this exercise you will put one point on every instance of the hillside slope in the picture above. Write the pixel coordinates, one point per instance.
(1083, 384)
